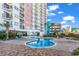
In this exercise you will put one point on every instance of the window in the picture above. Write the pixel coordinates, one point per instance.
(16, 15)
(21, 26)
(22, 14)
(16, 23)
(6, 5)
(22, 21)
(6, 15)
(16, 8)
(10, 23)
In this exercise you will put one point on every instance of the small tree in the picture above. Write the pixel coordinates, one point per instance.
(6, 24)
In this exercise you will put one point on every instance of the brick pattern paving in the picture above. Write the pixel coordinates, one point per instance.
(21, 50)
(17, 48)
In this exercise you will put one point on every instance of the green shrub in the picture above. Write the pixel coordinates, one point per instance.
(12, 35)
(71, 35)
(74, 36)
(62, 35)
(44, 35)
(49, 35)
(2, 35)
(75, 52)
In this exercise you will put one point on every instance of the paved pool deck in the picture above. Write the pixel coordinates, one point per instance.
(66, 44)
(63, 47)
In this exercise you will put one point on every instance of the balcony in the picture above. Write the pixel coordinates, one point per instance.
(22, 16)
(22, 13)
(21, 26)
(6, 15)
(7, 7)
(21, 21)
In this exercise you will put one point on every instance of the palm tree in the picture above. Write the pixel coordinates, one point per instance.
(6, 24)
(52, 24)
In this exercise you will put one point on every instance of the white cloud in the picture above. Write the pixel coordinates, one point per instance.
(63, 22)
(47, 10)
(73, 21)
(60, 12)
(69, 18)
(53, 7)
(70, 4)
(48, 19)
(51, 14)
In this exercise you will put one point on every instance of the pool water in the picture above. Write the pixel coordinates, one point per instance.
(40, 43)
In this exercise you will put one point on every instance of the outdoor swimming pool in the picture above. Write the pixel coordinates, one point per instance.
(41, 43)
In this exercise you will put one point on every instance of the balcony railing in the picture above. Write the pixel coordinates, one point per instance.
(7, 7)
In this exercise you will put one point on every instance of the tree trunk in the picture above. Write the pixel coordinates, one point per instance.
(7, 36)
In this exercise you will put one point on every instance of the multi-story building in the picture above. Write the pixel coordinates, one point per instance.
(5, 14)
(26, 17)
(16, 16)
(21, 16)
(43, 26)
(10, 12)
(66, 29)
(39, 17)
(55, 28)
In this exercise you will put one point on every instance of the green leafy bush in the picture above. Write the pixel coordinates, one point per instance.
(71, 35)
(49, 35)
(2, 35)
(75, 52)
(74, 36)
(62, 35)
(12, 35)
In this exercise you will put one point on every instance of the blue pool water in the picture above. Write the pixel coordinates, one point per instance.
(41, 43)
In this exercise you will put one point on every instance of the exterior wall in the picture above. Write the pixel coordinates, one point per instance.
(43, 26)
(39, 17)
(21, 16)
(1, 20)
(16, 13)
(27, 16)
(33, 16)
(5, 13)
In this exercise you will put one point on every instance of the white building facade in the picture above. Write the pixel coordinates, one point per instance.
(14, 13)
(39, 17)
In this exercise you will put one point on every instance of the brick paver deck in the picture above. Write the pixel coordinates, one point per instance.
(63, 47)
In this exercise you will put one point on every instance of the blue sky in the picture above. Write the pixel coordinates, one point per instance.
(64, 13)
